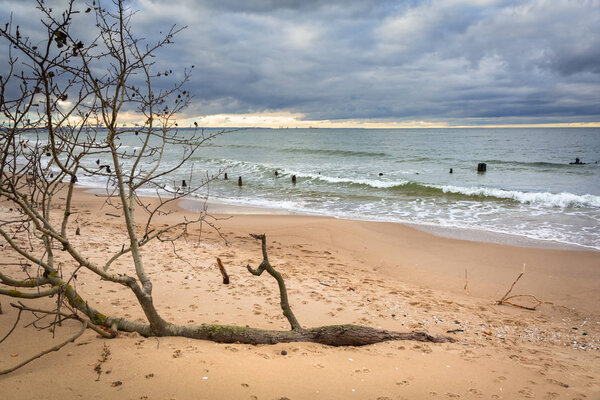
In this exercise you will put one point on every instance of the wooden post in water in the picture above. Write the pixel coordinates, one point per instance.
(481, 167)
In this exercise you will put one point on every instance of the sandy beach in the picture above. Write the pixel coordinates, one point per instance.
(338, 271)
(402, 200)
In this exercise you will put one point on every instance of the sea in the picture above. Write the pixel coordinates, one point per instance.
(529, 190)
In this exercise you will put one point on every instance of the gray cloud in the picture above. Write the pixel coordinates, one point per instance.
(453, 60)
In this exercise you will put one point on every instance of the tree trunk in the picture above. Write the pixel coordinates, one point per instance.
(331, 335)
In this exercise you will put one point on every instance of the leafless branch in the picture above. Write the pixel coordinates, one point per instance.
(505, 299)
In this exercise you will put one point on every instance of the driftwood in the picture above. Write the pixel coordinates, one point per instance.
(506, 299)
(332, 335)
(223, 272)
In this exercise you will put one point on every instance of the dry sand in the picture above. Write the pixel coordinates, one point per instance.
(337, 271)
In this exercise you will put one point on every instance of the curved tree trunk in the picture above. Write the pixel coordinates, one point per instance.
(332, 335)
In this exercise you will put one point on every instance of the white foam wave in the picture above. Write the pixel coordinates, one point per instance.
(563, 199)
(379, 184)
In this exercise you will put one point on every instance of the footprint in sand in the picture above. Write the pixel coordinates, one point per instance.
(554, 381)
(363, 371)
(527, 393)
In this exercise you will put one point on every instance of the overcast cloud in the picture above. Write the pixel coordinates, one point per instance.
(455, 61)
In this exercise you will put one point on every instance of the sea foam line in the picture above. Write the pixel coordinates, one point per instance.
(563, 200)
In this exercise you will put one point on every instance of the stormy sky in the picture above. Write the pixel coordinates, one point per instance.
(456, 62)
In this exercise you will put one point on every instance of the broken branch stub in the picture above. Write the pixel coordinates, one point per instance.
(223, 272)
(265, 265)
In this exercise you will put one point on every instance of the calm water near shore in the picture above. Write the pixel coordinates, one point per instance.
(402, 175)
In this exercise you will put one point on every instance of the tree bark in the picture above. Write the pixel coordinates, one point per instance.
(266, 266)
(223, 271)
(331, 335)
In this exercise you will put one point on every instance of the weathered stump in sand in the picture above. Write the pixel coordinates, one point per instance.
(223, 272)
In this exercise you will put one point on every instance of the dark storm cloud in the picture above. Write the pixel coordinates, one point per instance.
(452, 60)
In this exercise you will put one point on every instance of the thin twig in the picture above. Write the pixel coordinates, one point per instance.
(108, 334)
(14, 326)
(521, 306)
(84, 325)
(506, 297)
(19, 264)
(512, 286)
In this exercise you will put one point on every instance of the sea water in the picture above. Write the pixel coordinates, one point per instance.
(530, 188)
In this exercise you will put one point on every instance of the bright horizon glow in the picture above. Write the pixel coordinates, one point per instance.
(275, 120)
(288, 120)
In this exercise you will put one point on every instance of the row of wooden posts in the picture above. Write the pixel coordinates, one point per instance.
(481, 167)
(240, 182)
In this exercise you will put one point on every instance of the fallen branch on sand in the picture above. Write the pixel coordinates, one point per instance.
(505, 299)
(333, 335)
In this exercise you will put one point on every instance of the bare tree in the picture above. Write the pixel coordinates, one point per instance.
(61, 99)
